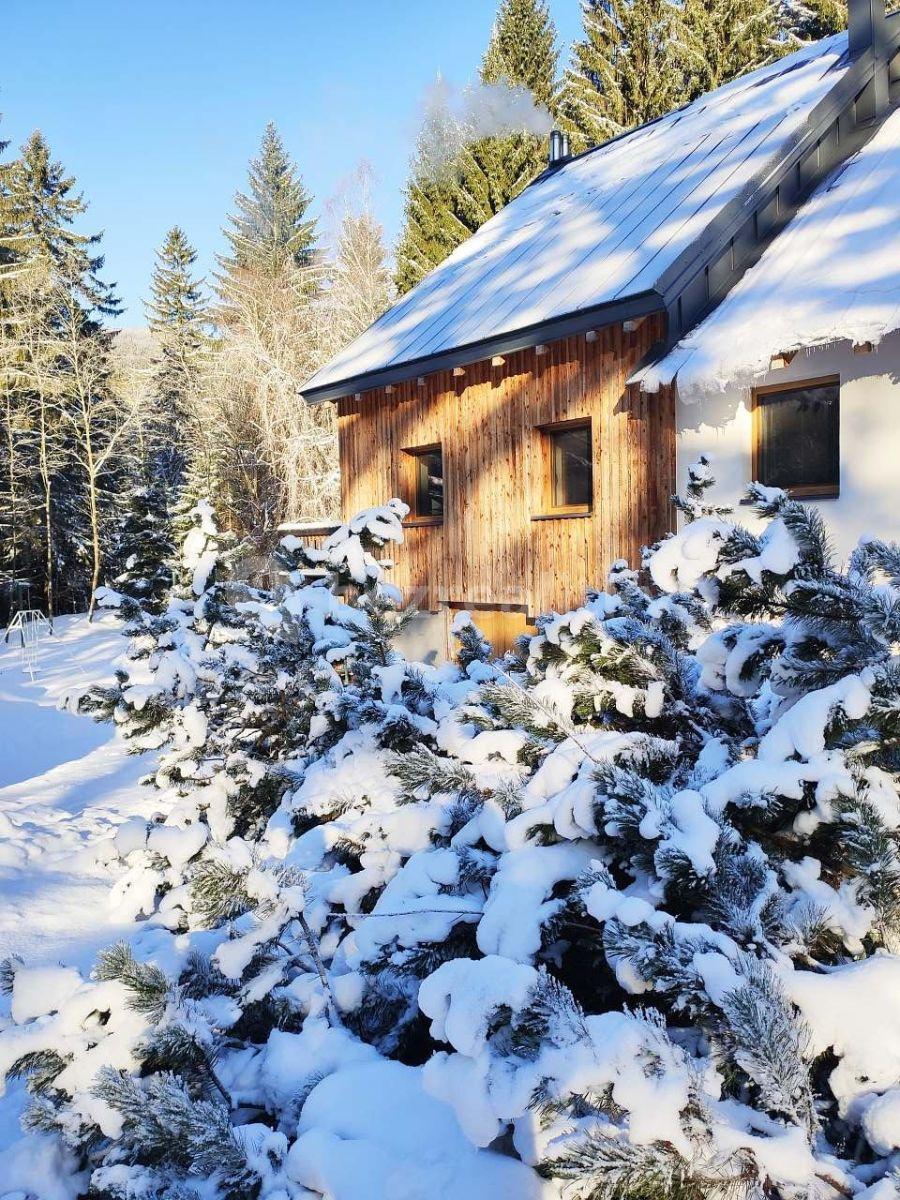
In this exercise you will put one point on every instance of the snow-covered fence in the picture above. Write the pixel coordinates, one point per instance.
(32, 625)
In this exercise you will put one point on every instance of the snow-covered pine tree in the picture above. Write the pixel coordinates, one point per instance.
(627, 69)
(163, 668)
(726, 38)
(630, 901)
(145, 548)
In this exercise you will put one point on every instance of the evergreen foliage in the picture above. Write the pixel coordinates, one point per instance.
(271, 229)
(726, 38)
(629, 68)
(145, 548)
(491, 171)
(429, 232)
(810, 20)
(460, 179)
(177, 315)
(39, 208)
(59, 457)
(522, 50)
(614, 891)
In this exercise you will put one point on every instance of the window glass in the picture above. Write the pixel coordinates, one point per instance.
(429, 482)
(798, 438)
(571, 466)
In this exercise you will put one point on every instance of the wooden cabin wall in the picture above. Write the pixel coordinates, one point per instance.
(492, 548)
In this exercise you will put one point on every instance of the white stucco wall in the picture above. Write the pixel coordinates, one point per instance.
(720, 425)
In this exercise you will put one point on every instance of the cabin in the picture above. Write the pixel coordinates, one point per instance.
(525, 399)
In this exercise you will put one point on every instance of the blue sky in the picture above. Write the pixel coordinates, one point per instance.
(157, 105)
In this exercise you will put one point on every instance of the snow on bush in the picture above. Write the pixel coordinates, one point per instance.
(617, 915)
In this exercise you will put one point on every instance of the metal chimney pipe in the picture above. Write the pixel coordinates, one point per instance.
(557, 151)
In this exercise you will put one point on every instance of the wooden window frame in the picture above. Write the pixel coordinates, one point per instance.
(822, 491)
(549, 510)
(410, 472)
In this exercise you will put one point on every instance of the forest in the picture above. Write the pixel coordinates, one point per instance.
(109, 435)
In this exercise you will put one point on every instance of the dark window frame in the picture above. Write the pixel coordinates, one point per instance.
(421, 499)
(553, 505)
(763, 395)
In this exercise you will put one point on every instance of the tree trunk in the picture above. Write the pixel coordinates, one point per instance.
(47, 484)
(95, 538)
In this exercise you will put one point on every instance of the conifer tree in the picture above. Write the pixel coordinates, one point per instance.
(55, 342)
(491, 171)
(522, 50)
(39, 207)
(430, 231)
(630, 897)
(810, 20)
(453, 191)
(145, 550)
(627, 69)
(271, 228)
(177, 316)
(724, 39)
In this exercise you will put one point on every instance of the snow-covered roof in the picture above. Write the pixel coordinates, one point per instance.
(602, 228)
(832, 275)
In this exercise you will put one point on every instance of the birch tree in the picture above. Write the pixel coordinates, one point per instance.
(91, 409)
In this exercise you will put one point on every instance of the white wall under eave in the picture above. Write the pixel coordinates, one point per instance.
(719, 425)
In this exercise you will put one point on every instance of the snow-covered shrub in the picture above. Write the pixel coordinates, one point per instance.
(627, 902)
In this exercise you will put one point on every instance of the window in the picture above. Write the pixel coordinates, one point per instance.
(428, 482)
(796, 438)
(571, 468)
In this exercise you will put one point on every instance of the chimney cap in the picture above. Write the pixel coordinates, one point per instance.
(559, 148)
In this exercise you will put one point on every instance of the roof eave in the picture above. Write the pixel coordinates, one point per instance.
(630, 307)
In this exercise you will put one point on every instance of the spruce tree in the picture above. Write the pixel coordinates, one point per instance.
(430, 230)
(177, 316)
(39, 207)
(627, 69)
(452, 194)
(726, 38)
(522, 51)
(271, 228)
(810, 20)
(145, 549)
(491, 171)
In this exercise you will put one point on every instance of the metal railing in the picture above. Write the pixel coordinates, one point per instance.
(32, 625)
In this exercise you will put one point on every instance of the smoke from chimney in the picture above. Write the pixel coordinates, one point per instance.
(454, 117)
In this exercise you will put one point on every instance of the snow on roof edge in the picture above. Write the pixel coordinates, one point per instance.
(831, 276)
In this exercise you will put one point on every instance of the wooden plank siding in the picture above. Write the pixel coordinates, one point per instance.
(495, 547)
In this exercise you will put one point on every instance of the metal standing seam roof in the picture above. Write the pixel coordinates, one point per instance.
(600, 229)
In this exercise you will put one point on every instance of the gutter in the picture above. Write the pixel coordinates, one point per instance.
(610, 313)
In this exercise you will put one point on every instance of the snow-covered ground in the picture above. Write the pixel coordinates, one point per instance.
(65, 783)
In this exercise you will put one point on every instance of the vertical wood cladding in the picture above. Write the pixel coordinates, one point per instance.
(497, 546)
